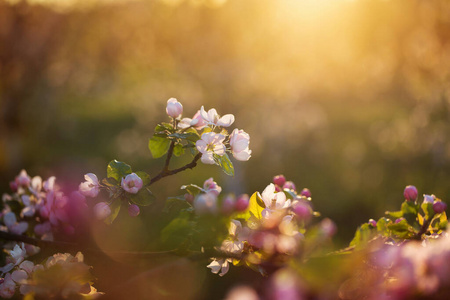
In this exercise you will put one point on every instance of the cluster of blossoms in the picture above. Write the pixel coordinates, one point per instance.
(61, 276)
(129, 184)
(212, 143)
(39, 208)
(274, 226)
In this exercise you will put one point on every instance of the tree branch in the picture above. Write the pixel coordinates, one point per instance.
(165, 172)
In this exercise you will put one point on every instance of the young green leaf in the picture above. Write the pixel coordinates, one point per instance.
(225, 163)
(144, 176)
(158, 146)
(178, 150)
(117, 170)
(115, 208)
(255, 208)
(143, 198)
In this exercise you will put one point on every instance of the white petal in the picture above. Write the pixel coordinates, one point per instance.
(201, 146)
(225, 268)
(226, 120)
(214, 266)
(19, 276)
(207, 158)
(92, 178)
(9, 219)
(219, 149)
(243, 155)
(235, 227)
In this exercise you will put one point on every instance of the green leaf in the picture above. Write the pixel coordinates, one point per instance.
(144, 176)
(176, 202)
(362, 235)
(115, 208)
(191, 136)
(290, 194)
(428, 210)
(402, 229)
(158, 146)
(225, 163)
(192, 189)
(143, 198)
(163, 127)
(382, 226)
(410, 211)
(394, 214)
(117, 170)
(255, 208)
(177, 231)
(178, 150)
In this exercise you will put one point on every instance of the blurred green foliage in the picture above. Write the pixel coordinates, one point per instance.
(348, 98)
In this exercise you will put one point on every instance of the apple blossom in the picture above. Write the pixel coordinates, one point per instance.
(205, 203)
(102, 210)
(210, 143)
(23, 179)
(174, 108)
(242, 203)
(289, 185)
(239, 141)
(279, 180)
(13, 226)
(303, 210)
(91, 187)
(273, 201)
(372, 223)
(7, 287)
(306, 192)
(410, 193)
(428, 198)
(237, 234)
(212, 187)
(212, 118)
(132, 183)
(439, 207)
(228, 204)
(133, 210)
(220, 265)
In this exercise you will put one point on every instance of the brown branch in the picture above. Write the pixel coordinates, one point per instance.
(169, 156)
(167, 172)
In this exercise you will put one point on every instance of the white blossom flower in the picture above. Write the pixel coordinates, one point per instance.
(220, 265)
(174, 108)
(102, 210)
(237, 235)
(205, 203)
(23, 179)
(211, 117)
(13, 226)
(210, 143)
(273, 201)
(239, 142)
(132, 183)
(197, 122)
(8, 287)
(91, 187)
(211, 186)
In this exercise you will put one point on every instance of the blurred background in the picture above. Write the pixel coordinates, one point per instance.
(348, 98)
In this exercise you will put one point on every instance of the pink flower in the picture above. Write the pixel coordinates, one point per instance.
(197, 122)
(242, 203)
(8, 287)
(13, 226)
(210, 144)
(273, 201)
(102, 210)
(239, 141)
(205, 204)
(211, 186)
(174, 108)
(132, 183)
(91, 187)
(410, 193)
(23, 179)
(55, 208)
(279, 180)
(211, 117)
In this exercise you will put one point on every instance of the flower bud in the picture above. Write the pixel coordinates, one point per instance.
(210, 186)
(439, 207)
(133, 210)
(205, 203)
(13, 185)
(289, 185)
(102, 210)
(303, 211)
(23, 179)
(328, 227)
(189, 198)
(428, 198)
(372, 222)
(174, 108)
(410, 193)
(228, 204)
(242, 203)
(279, 180)
(306, 192)
(132, 183)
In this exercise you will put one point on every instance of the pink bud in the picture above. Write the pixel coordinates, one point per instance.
(439, 207)
(13, 185)
(133, 210)
(174, 108)
(289, 185)
(210, 186)
(242, 203)
(228, 204)
(399, 220)
(279, 180)
(306, 192)
(410, 193)
(102, 210)
(205, 203)
(303, 211)
(189, 198)
(372, 222)
(328, 227)
(200, 121)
